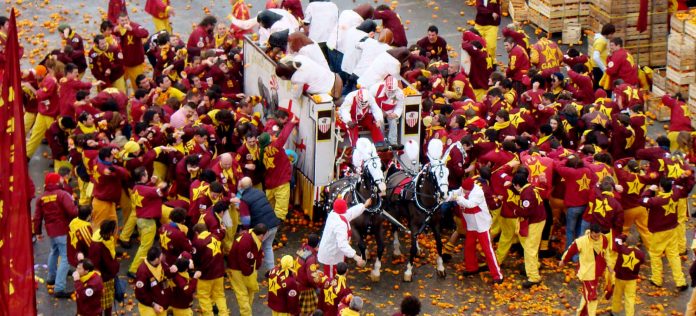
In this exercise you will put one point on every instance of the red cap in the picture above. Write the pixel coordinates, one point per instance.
(52, 179)
(468, 184)
(600, 93)
(340, 206)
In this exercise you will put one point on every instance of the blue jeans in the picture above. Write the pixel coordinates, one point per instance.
(267, 247)
(59, 248)
(573, 223)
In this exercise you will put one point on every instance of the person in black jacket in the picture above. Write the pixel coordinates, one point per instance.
(254, 209)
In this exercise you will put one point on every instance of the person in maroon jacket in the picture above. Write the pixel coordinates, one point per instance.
(152, 284)
(278, 169)
(147, 200)
(243, 261)
(107, 178)
(581, 85)
(106, 63)
(202, 37)
(518, 66)
(334, 290)
(47, 98)
(209, 259)
(89, 289)
(184, 285)
(69, 86)
(662, 223)
(283, 296)
(391, 21)
(57, 208)
(130, 36)
(102, 252)
(173, 238)
(577, 191)
(57, 137)
(68, 34)
(487, 22)
(433, 46)
(627, 270)
(307, 273)
(531, 211)
(621, 64)
(213, 219)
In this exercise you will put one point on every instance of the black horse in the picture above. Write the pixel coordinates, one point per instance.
(418, 198)
(368, 183)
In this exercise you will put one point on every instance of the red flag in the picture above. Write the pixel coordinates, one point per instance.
(643, 16)
(17, 289)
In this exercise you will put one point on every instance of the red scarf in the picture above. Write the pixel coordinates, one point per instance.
(343, 218)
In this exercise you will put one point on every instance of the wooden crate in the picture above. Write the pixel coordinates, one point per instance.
(692, 92)
(626, 20)
(518, 10)
(674, 88)
(629, 6)
(654, 105)
(682, 64)
(572, 33)
(679, 77)
(657, 92)
(690, 28)
(552, 25)
(659, 78)
(559, 11)
(678, 21)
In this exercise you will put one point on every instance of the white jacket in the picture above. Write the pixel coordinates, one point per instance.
(322, 17)
(344, 110)
(334, 245)
(382, 65)
(481, 221)
(346, 20)
(319, 79)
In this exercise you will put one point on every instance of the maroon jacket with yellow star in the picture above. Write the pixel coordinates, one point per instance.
(628, 262)
(184, 287)
(331, 295)
(88, 293)
(246, 255)
(148, 201)
(278, 167)
(174, 241)
(208, 257)
(606, 211)
(662, 206)
(577, 184)
(283, 295)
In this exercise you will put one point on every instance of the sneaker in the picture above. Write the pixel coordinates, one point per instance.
(62, 294)
(549, 253)
(654, 284)
(529, 284)
(468, 273)
(498, 281)
(51, 282)
(131, 275)
(124, 244)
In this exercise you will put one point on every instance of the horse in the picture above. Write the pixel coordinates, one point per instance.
(367, 183)
(418, 198)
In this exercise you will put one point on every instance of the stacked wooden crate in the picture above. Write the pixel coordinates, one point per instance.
(649, 48)
(553, 15)
(681, 55)
(518, 10)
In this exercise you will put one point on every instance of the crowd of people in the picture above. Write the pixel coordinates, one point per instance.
(550, 141)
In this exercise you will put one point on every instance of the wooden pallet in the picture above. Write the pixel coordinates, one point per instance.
(629, 6)
(680, 77)
(626, 19)
(552, 25)
(560, 11)
(674, 88)
(659, 79)
(682, 64)
(657, 92)
(518, 10)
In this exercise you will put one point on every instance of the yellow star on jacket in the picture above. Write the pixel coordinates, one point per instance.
(513, 198)
(583, 183)
(629, 261)
(673, 171)
(537, 168)
(164, 240)
(273, 286)
(137, 199)
(602, 207)
(635, 186)
(214, 245)
(199, 191)
(671, 206)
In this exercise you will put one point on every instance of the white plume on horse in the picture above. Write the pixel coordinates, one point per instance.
(435, 147)
(364, 149)
(411, 149)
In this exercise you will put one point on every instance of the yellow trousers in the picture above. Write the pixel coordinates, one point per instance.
(231, 231)
(119, 84)
(682, 211)
(280, 314)
(530, 244)
(181, 312)
(245, 288)
(490, 34)
(128, 227)
(495, 226)
(101, 211)
(38, 133)
(279, 198)
(86, 189)
(480, 94)
(149, 311)
(691, 305)
(57, 164)
(159, 170)
(147, 228)
(665, 242)
(508, 236)
(29, 119)
(209, 292)
(591, 306)
(162, 24)
(131, 73)
(639, 217)
(625, 289)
